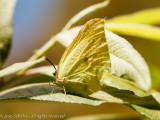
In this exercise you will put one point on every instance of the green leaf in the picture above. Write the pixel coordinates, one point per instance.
(42, 91)
(150, 113)
(6, 30)
(84, 13)
(18, 67)
(136, 30)
(148, 16)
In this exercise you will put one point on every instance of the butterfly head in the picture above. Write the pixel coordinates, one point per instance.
(55, 73)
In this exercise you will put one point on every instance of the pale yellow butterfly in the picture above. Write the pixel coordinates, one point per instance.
(82, 60)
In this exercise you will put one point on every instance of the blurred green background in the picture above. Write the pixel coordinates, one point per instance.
(35, 21)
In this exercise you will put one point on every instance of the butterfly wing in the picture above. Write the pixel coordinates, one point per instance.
(87, 53)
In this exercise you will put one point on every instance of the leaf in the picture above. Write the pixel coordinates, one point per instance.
(126, 62)
(42, 91)
(26, 91)
(120, 96)
(148, 16)
(66, 37)
(156, 95)
(84, 13)
(6, 30)
(136, 30)
(61, 97)
(18, 67)
(46, 70)
(150, 113)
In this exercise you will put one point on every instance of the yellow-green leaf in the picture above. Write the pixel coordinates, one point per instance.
(136, 30)
(148, 16)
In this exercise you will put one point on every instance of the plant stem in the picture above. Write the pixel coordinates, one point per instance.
(84, 13)
(45, 48)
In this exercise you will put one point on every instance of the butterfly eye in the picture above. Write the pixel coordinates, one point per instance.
(54, 74)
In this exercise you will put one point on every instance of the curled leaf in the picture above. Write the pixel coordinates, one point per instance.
(126, 62)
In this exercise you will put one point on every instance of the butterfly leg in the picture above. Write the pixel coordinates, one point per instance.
(64, 91)
(52, 87)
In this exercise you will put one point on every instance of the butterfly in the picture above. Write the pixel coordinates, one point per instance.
(82, 60)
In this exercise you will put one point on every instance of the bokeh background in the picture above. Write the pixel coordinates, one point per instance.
(36, 21)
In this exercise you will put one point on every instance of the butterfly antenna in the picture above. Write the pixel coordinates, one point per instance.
(51, 64)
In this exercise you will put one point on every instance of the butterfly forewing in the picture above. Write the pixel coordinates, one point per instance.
(87, 53)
